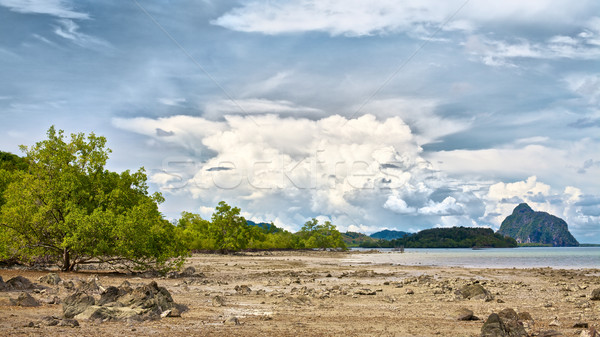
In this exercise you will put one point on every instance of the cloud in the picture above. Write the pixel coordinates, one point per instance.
(69, 30)
(398, 205)
(176, 101)
(59, 8)
(506, 53)
(380, 17)
(218, 109)
(448, 206)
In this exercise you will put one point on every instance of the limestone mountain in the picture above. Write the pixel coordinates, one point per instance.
(527, 226)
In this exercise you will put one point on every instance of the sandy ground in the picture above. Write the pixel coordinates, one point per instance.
(326, 294)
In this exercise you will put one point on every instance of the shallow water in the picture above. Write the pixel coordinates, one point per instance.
(522, 257)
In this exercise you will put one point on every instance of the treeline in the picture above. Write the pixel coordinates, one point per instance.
(59, 204)
(227, 231)
(455, 237)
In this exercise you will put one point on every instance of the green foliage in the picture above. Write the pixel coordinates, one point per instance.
(455, 237)
(68, 208)
(315, 235)
(228, 232)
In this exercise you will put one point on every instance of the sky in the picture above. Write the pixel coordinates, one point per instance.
(372, 114)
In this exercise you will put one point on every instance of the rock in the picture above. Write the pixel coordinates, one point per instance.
(243, 289)
(365, 291)
(581, 325)
(25, 300)
(511, 321)
(188, 272)
(409, 291)
(505, 323)
(493, 327)
(554, 322)
(55, 321)
(2, 284)
(77, 303)
(218, 301)
(524, 316)
(475, 291)
(19, 283)
(464, 314)
(596, 294)
(232, 321)
(110, 296)
(91, 285)
(68, 322)
(591, 332)
(50, 321)
(171, 313)
(550, 333)
(51, 279)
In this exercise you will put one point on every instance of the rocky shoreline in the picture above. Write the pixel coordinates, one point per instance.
(301, 293)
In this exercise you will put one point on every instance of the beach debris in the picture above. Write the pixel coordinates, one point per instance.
(51, 279)
(464, 314)
(504, 323)
(474, 291)
(24, 300)
(142, 303)
(596, 294)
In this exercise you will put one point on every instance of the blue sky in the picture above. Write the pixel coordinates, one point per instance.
(372, 114)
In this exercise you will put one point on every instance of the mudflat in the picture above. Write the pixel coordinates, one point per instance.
(310, 293)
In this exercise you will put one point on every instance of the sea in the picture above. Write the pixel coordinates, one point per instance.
(522, 257)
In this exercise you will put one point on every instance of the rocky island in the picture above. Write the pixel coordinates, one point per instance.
(528, 226)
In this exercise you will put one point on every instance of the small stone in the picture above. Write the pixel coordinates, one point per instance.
(232, 321)
(555, 322)
(550, 333)
(581, 325)
(464, 314)
(218, 301)
(596, 294)
(409, 291)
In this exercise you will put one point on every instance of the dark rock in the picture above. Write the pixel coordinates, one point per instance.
(91, 285)
(19, 283)
(493, 327)
(25, 300)
(409, 291)
(2, 284)
(581, 325)
(511, 321)
(475, 291)
(503, 324)
(77, 303)
(112, 294)
(596, 294)
(51, 279)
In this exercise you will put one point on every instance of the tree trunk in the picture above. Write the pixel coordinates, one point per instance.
(66, 260)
